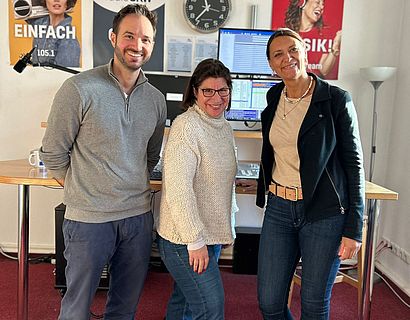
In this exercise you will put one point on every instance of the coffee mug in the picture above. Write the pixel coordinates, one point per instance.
(34, 159)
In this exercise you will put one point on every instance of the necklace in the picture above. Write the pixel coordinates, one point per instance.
(285, 93)
(294, 102)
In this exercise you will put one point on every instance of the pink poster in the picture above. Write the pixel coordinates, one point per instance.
(319, 22)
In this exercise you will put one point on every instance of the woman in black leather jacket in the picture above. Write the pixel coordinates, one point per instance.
(312, 169)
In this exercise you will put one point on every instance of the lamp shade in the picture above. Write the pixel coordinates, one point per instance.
(377, 73)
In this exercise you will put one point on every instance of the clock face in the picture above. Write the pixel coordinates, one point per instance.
(207, 15)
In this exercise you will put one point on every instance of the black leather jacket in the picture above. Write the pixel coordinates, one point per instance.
(331, 159)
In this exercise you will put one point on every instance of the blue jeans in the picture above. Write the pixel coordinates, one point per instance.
(125, 245)
(196, 296)
(286, 237)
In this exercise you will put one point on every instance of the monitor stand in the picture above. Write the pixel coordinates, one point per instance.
(246, 126)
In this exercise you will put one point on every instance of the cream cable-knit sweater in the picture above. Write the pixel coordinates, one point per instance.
(198, 197)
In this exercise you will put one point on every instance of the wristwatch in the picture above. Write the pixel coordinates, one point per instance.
(207, 15)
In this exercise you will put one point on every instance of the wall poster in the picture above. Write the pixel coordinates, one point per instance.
(52, 27)
(319, 22)
(104, 12)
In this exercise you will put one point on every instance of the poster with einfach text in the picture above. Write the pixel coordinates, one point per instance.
(52, 29)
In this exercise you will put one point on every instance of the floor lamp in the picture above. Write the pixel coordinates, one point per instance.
(376, 76)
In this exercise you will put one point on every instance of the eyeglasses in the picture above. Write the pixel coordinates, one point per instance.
(224, 92)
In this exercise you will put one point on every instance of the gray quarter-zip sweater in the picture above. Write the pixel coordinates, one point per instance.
(104, 144)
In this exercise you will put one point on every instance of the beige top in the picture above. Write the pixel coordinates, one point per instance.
(198, 194)
(283, 136)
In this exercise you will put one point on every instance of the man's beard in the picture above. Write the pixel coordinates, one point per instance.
(131, 66)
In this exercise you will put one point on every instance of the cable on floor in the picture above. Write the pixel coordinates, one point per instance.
(7, 255)
(391, 288)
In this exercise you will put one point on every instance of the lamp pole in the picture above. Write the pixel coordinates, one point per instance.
(376, 85)
(376, 76)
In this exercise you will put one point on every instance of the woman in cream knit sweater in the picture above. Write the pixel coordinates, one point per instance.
(198, 196)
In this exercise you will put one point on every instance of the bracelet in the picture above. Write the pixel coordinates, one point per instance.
(335, 52)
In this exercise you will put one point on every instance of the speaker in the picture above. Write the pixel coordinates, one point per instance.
(60, 260)
(29, 9)
(245, 250)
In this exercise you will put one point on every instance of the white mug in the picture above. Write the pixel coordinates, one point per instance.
(34, 159)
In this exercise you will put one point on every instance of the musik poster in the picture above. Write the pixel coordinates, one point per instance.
(319, 22)
(104, 12)
(52, 27)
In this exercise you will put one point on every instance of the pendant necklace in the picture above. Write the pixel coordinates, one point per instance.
(294, 102)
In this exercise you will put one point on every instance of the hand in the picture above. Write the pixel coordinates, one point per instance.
(337, 41)
(199, 259)
(348, 248)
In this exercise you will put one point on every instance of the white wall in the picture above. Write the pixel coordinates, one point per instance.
(375, 32)
(395, 220)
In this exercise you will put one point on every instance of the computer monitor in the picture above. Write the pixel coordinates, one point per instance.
(248, 99)
(173, 87)
(243, 51)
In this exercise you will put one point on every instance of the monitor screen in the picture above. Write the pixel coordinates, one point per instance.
(173, 87)
(248, 99)
(243, 51)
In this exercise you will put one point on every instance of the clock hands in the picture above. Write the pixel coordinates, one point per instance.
(206, 9)
(206, 15)
(212, 9)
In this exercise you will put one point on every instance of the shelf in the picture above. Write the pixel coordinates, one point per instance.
(242, 134)
(247, 134)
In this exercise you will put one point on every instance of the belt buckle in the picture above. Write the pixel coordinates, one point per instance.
(296, 197)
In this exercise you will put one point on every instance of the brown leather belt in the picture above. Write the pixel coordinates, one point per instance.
(287, 193)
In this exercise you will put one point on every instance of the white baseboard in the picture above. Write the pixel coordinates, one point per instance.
(405, 287)
(34, 248)
(226, 254)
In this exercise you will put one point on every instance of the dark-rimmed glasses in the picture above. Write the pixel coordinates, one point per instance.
(223, 92)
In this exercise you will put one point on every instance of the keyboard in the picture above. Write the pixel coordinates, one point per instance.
(247, 170)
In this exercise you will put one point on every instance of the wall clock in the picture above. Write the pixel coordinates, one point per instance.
(207, 15)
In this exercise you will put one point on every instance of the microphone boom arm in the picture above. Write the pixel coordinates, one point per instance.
(26, 59)
(55, 66)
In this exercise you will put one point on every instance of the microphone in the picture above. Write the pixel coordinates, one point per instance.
(22, 63)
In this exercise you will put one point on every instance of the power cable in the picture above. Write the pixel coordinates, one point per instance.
(391, 288)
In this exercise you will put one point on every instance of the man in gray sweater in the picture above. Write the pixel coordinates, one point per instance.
(103, 139)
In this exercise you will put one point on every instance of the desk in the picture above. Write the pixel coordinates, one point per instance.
(374, 194)
(243, 134)
(19, 172)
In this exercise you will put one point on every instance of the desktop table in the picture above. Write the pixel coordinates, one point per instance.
(19, 172)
